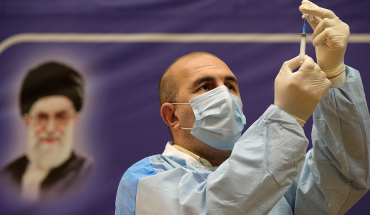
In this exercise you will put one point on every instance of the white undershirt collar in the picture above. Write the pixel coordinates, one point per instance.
(172, 151)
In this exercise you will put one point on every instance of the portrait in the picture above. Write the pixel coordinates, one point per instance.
(50, 102)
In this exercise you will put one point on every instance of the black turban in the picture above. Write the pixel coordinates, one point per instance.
(49, 79)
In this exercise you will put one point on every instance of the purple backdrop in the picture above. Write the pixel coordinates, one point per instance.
(120, 122)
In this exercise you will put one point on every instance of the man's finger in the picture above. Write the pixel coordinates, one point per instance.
(318, 69)
(308, 64)
(320, 39)
(324, 24)
(316, 20)
(293, 63)
(310, 8)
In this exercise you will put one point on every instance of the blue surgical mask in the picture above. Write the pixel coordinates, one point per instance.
(219, 118)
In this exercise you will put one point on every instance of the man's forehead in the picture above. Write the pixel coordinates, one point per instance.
(190, 66)
(198, 60)
(52, 104)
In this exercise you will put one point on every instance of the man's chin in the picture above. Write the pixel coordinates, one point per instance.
(48, 147)
(48, 154)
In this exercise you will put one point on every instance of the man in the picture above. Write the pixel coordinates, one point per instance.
(51, 99)
(208, 169)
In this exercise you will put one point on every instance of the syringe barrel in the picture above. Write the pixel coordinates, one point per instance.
(302, 52)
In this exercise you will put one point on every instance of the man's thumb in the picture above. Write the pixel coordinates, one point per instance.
(293, 63)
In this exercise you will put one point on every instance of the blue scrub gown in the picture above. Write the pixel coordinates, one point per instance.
(268, 171)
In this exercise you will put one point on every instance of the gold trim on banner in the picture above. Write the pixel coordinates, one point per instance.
(164, 38)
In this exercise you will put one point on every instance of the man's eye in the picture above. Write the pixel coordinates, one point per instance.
(204, 87)
(230, 87)
(61, 117)
(42, 117)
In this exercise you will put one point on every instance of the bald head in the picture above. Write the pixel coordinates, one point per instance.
(168, 88)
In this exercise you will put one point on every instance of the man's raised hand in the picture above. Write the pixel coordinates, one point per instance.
(330, 38)
(299, 93)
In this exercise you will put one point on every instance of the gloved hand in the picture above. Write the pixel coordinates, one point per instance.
(299, 93)
(330, 38)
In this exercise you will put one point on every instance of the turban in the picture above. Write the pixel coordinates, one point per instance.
(50, 79)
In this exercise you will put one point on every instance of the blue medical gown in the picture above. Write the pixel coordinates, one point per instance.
(268, 171)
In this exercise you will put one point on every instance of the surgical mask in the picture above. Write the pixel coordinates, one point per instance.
(219, 118)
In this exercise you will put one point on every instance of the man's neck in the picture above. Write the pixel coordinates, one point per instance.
(214, 156)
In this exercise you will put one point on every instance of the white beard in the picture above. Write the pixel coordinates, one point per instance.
(52, 155)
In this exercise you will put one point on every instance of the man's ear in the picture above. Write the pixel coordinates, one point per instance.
(26, 119)
(169, 116)
(76, 117)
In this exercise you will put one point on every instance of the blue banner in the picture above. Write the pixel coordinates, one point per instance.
(111, 56)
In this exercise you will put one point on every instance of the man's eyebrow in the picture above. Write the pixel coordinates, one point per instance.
(206, 79)
(62, 112)
(41, 113)
(201, 80)
(57, 113)
(231, 78)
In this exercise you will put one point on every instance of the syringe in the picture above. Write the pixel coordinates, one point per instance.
(302, 52)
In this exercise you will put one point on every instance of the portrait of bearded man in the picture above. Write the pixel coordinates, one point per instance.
(51, 99)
